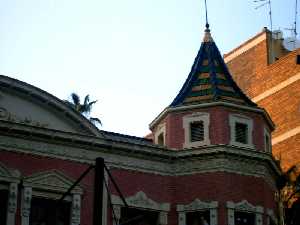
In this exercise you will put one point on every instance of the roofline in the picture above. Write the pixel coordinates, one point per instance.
(245, 46)
(49, 99)
(211, 104)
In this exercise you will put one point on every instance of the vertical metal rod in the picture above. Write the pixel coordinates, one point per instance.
(98, 192)
(206, 12)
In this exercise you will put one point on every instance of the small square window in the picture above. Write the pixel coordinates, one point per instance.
(241, 133)
(197, 131)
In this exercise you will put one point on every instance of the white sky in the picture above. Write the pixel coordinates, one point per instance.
(131, 55)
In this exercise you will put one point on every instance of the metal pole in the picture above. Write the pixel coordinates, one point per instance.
(98, 192)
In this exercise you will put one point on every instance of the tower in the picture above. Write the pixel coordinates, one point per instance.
(228, 140)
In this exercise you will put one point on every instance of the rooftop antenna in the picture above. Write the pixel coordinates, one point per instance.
(264, 3)
(293, 30)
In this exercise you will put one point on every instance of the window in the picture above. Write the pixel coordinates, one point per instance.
(159, 134)
(198, 213)
(198, 218)
(268, 145)
(244, 218)
(244, 213)
(135, 216)
(241, 133)
(47, 212)
(143, 210)
(3, 205)
(196, 130)
(241, 128)
(38, 203)
(160, 139)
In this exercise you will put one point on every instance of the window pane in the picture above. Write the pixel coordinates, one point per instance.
(47, 212)
(197, 131)
(132, 216)
(3, 205)
(241, 133)
(244, 218)
(198, 218)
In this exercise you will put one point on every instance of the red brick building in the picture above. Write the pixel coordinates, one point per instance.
(210, 163)
(269, 74)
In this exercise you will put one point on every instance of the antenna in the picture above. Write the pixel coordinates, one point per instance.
(267, 2)
(295, 22)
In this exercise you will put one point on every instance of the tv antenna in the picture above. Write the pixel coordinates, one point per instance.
(264, 3)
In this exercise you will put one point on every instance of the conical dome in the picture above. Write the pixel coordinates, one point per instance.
(209, 79)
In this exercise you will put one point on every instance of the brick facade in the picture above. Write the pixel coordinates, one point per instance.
(257, 77)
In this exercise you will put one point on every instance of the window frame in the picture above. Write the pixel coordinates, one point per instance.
(233, 120)
(50, 184)
(244, 206)
(187, 121)
(141, 201)
(267, 146)
(198, 205)
(161, 130)
(9, 181)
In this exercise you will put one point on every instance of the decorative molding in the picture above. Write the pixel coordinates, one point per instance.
(12, 203)
(277, 88)
(9, 175)
(198, 205)
(212, 104)
(75, 210)
(245, 47)
(52, 180)
(236, 118)
(244, 206)
(212, 158)
(140, 200)
(187, 120)
(26, 205)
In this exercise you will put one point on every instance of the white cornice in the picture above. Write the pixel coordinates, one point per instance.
(245, 47)
(211, 104)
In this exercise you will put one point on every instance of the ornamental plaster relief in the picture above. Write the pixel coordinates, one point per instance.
(52, 180)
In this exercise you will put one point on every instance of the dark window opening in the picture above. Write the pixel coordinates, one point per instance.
(160, 139)
(47, 212)
(268, 143)
(197, 131)
(3, 205)
(241, 133)
(198, 218)
(244, 218)
(132, 216)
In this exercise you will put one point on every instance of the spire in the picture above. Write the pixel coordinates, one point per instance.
(209, 79)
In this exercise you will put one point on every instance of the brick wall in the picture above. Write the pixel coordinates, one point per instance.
(257, 77)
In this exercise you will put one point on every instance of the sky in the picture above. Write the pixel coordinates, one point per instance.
(132, 56)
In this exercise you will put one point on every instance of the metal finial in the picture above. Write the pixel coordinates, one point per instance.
(207, 25)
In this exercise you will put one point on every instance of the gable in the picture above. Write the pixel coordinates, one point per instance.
(8, 175)
(25, 104)
(52, 180)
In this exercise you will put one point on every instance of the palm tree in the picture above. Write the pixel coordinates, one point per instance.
(85, 108)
